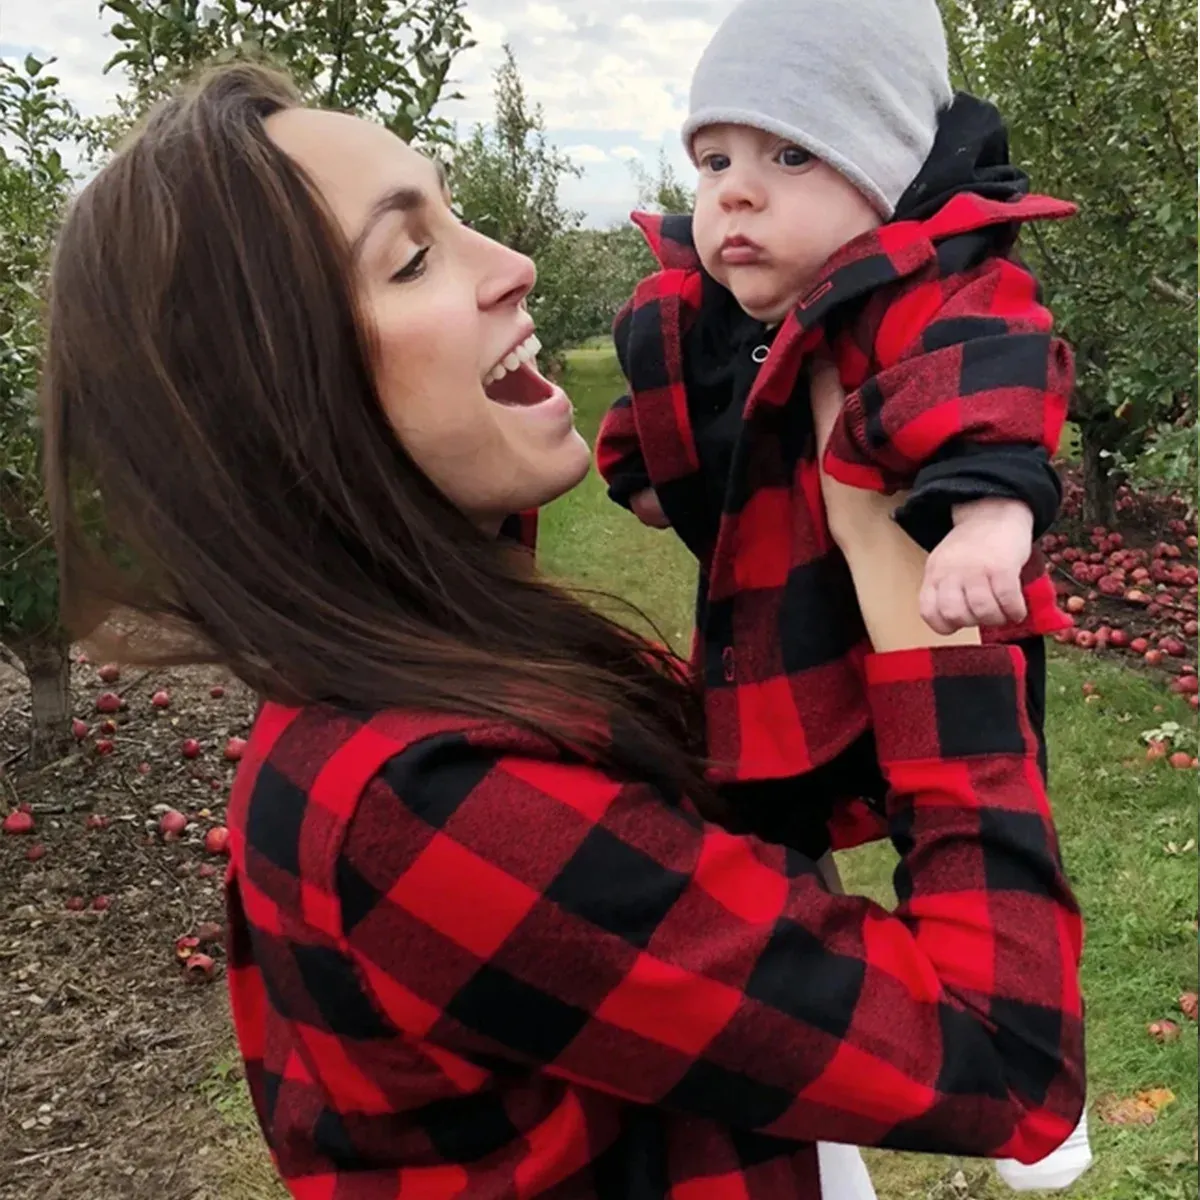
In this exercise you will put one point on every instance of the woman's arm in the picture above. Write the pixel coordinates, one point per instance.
(500, 904)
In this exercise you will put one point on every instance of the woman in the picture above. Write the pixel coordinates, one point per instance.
(481, 944)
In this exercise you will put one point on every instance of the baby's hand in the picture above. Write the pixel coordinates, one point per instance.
(973, 576)
(648, 510)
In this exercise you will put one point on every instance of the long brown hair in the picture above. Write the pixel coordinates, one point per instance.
(209, 408)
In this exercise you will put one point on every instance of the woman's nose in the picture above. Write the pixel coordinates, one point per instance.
(508, 278)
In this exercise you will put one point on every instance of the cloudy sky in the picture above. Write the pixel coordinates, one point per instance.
(612, 78)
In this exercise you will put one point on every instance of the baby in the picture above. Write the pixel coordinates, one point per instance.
(850, 207)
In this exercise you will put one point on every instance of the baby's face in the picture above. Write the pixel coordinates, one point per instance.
(769, 215)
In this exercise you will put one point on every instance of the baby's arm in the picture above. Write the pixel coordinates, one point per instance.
(965, 408)
(619, 457)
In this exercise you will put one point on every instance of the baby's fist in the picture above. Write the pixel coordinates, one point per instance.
(973, 576)
(647, 508)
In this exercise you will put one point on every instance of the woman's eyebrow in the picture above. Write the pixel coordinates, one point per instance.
(401, 200)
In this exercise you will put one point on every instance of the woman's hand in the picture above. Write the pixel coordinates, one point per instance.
(887, 565)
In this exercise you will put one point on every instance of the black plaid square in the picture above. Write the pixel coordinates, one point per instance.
(617, 887)
(967, 1066)
(709, 1090)
(356, 896)
(1017, 853)
(467, 1128)
(276, 818)
(332, 981)
(977, 715)
(458, 774)
(1015, 360)
(797, 975)
(646, 348)
(1029, 1038)
(531, 1022)
(956, 331)
(811, 635)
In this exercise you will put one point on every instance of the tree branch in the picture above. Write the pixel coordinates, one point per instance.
(1169, 291)
(1140, 38)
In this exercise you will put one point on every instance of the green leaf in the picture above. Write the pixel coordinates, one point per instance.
(32, 66)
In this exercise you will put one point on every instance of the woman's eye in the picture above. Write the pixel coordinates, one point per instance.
(411, 269)
(794, 156)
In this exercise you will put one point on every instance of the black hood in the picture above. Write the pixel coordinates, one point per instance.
(970, 154)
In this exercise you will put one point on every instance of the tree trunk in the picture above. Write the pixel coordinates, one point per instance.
(48, 665)
(1099, 492)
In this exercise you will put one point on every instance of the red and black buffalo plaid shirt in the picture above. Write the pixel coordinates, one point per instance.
(462, 966)
(946, 341)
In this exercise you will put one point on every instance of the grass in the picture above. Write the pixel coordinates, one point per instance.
(1117, 815)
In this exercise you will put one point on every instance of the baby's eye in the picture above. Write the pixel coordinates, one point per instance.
(794, 156)
(715, 162)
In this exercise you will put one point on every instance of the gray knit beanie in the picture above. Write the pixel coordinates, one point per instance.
(858, 83)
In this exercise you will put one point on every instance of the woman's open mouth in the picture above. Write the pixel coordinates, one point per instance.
(515, 379)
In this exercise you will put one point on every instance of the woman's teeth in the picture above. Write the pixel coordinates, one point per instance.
(526, 352)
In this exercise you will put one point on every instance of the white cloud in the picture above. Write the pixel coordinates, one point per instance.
(585, 153)
(611, 78)
(549, 17)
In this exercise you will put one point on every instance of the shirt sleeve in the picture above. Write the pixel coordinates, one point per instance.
(963, 471)
(967, 356)
(507, 907)
(619, 456)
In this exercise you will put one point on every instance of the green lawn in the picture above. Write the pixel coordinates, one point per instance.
(1117, 814)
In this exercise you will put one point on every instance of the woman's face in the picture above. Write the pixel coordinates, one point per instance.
(454, 367)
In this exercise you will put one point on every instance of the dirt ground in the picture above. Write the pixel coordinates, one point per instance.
(104, 1043)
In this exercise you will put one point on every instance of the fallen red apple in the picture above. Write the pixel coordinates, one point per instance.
(1189, 1004)
(1181, 760)
(1163, 1031)
(108, 702)
(76, 904)
(1191, 628)
(108, 728)
(1191, 543)
(1075, 604)
(1156, 750)
(191, 748)
(216, 840)
(1139, 645)
(185, 946)
(35, 852)
(1188, 685)
(143, 768)
(172, 824)
(217, 692)
(1137, 596)
(1119, 638)
(1085, 639)
(1064, 637)
(101, 904)
(234, 749)
(1154, 657)
(208, 932)
(1089, 688)
(104, 746)
(1172, 646)
(109, 673)
(199, 968)
(95, 821)
(161, 699)
(18, 822)
(79, 729)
